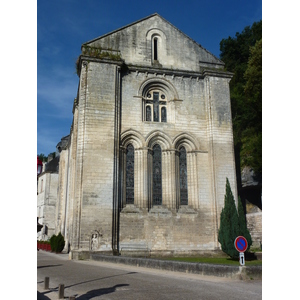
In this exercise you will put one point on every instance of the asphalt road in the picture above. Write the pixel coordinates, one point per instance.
(99, 280)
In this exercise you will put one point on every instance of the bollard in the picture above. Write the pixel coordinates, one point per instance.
(46, 283)
(61, 288)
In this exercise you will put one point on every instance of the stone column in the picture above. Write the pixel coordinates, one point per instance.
(123, 176)
(138, 177)
(192, 180)
(169, 179)
(149, 178)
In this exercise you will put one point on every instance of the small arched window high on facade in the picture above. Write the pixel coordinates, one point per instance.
(155, 54)
(183, 177)
(130, 174)
(157, 178)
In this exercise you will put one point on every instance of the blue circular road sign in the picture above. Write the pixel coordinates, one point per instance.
(240, 244)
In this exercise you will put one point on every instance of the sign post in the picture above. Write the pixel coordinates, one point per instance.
(242, 259)
(241, 245)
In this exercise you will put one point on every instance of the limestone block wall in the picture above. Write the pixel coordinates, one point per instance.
(175, 49)
(46, 201)
(110, 113)
(220, 136)
(254, 224)
(95, 153)
(161, 231)
(202, 113)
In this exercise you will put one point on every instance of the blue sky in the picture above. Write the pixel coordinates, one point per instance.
(64, 25)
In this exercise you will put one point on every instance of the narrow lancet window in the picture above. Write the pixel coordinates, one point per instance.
(156, 107)
(148, 113)
(163, 114)
(130, 174)
(155, 49)
(157, 184)
(183, 177)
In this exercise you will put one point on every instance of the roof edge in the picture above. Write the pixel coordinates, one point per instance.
(121, 28)
(148, 17)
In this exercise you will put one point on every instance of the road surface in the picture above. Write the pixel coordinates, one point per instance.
(100, 280)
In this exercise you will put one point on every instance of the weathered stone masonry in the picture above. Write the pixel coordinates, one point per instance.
(150, 88)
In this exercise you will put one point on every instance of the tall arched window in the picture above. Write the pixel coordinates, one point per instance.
(157, 185)
(130, 174)
(183, 177)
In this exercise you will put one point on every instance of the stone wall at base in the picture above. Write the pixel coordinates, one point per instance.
(254, 224)
(157, 231)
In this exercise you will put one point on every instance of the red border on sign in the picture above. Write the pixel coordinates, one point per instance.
(236, 241)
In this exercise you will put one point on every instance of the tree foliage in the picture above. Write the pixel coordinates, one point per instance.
(242, 56)
(251, 149)
(42, 157)
(57, 243)
(229, 227)
(232, 224)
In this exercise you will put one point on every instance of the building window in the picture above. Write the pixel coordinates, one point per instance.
(164, 114)
(156, 102)
(157, 178)
(156, 107)
(155, 40)
(130, 174)
(183, 177)
(148, 113)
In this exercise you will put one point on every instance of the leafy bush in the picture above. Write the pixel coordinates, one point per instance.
(57, 243)
(60, 243)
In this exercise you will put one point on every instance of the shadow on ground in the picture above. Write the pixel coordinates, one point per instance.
(47, 266)
(41, 296)
(99, 292)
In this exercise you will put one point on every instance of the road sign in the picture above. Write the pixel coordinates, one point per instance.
(240, 244)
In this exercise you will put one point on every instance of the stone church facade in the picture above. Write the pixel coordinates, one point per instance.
(150, 145)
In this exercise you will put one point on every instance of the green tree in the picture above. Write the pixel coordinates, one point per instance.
(57, 243)
(42, 157)
(229, 224)
(251, 149)
(232, 224)
(241, 56)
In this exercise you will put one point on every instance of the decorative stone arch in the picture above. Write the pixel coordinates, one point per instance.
(158, 137)
(161, 83)
(187, 140)
(191, 146)
(164, 89)
(133, 137)
(152, 35)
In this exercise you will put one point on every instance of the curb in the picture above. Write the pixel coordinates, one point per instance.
(234, 272)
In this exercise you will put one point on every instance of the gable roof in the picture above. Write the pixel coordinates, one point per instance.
(132, 43)
(143, 19)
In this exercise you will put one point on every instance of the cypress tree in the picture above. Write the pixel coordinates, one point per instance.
(232, 224)
(229, 224)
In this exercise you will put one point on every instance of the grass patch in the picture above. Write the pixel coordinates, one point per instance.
(213, 260)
